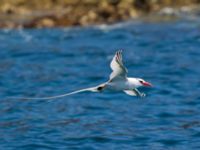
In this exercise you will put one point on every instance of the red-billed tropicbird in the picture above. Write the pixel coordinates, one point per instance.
(118, 81)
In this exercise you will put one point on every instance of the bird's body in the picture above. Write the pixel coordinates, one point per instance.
(120, 85)
(118, 81)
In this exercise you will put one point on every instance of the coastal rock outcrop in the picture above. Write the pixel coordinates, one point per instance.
(51, 13)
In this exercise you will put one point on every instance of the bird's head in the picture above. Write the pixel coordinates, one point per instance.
(142, 82)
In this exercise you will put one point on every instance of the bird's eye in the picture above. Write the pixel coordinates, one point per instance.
(141, 81)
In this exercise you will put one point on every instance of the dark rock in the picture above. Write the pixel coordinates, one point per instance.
(51, 13)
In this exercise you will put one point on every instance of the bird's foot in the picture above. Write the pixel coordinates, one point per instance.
(142, 95)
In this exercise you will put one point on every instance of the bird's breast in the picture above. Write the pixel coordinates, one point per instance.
(118, 85)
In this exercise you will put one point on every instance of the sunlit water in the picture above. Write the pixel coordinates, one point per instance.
(47, 62)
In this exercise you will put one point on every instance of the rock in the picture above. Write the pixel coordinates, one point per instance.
(51, 13)
(8, 8)
(45, 22)
(168, 11)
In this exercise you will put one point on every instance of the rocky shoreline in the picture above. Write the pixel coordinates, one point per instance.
(62, 13)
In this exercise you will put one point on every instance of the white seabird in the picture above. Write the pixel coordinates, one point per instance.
(118, 81)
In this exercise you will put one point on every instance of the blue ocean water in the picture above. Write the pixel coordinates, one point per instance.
(48, 62)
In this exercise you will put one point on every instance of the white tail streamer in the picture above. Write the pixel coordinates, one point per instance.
(92, 89)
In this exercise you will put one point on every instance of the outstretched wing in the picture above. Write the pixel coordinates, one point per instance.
(119, 70)
(131, 92)
(134, 92)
